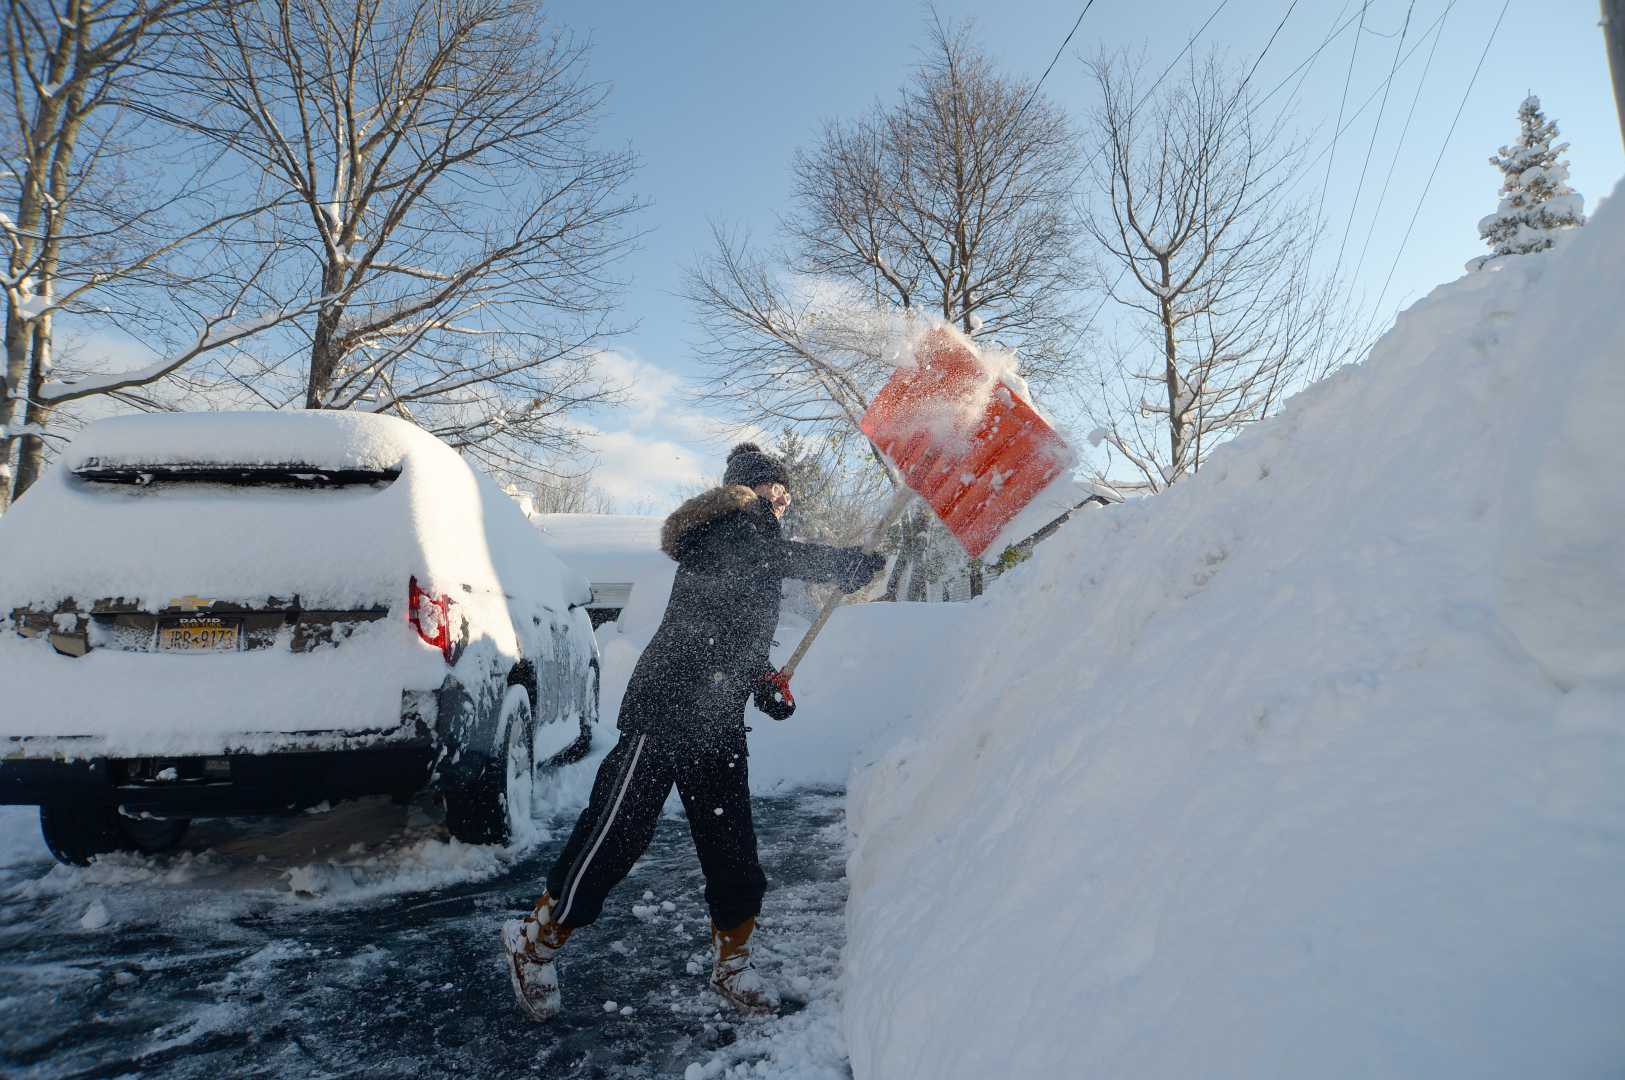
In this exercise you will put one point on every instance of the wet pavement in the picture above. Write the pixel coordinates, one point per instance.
(227, 960)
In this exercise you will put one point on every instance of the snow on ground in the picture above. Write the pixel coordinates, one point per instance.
(19, 836)
(179, 980)
(357, 852)
(1309, 767)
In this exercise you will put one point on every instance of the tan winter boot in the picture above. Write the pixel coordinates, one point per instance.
(532, 945)
(734, 976)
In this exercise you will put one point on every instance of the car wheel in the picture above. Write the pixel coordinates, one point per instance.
(77, 834)
(496, 805)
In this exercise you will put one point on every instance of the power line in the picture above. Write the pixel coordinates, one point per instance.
(1331, 37)
(1053, 59)
(1120, 274)
(1372, 145)
(1268, 43)
(1135, 111)
(1337, 129)
(1436, 161)
(1192, 41)
(1376, 214)
(1380, 86)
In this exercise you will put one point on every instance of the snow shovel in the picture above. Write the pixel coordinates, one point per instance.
(964, 440)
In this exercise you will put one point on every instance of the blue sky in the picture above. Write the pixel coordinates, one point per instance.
(716, 97)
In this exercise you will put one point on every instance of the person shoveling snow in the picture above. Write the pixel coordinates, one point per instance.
(955, 429)
(682, 722)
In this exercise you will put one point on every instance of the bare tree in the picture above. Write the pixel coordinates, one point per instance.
(104, 219)
(787, 352)
(955, 199)
(952, 202)
(565, 493)
(442, 196)
(1213, 265)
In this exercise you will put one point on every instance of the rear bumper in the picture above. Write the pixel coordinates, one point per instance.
(253, 773)
(412, 722)
(114, 704)
(231, 785)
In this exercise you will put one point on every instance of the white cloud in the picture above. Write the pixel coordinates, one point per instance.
(646, 473)
(658, 444)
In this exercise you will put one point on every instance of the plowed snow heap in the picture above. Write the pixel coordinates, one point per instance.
(1313, 766)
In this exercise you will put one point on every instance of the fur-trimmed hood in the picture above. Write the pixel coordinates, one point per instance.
(703, 509)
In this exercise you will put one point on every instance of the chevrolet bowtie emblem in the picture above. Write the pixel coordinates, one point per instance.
(190, 603)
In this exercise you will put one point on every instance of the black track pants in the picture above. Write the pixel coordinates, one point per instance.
(619, 822)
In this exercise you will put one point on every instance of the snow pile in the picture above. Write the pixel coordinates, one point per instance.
(619, 552)
(855, 692)
(1312, 765)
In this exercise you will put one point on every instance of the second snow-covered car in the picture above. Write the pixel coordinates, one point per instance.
(241, 613)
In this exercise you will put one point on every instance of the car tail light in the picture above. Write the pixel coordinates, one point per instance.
(431, 617)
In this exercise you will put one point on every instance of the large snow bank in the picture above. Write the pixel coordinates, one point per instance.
(1311, 766)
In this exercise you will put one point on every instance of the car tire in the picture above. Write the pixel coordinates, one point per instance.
(77, 834)
(496, 805)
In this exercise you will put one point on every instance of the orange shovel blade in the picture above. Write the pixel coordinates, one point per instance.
(966, 443)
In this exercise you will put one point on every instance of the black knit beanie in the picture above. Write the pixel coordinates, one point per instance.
(748, 465)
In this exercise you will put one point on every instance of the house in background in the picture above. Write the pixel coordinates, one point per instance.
(619, 554)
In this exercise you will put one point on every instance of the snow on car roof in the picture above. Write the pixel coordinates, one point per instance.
(340, 547)
(319, 439)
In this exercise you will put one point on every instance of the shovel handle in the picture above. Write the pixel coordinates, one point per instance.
(893, 512)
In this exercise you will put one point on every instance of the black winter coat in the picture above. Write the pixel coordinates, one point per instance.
(693, 679)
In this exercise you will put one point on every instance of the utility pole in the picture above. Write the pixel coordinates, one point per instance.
(1613, 33)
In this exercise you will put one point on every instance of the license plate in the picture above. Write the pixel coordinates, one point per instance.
(199, 634)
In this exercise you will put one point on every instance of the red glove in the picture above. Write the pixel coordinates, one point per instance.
(773, 697)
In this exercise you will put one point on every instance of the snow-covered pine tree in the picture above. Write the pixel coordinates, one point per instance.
(1536, 200)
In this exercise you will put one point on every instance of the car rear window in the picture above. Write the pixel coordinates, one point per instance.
(301, 477)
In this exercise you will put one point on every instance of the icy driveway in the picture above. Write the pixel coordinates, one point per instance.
(209, 965)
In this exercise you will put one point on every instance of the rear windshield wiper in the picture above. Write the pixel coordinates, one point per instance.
(294, 476)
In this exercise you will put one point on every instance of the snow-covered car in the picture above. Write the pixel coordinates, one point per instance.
(243, 613)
